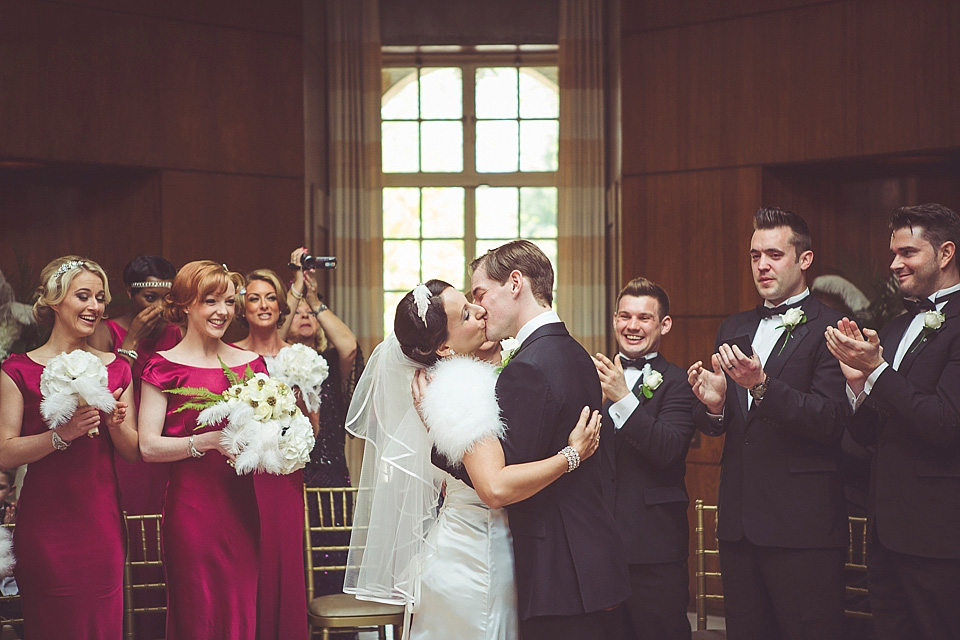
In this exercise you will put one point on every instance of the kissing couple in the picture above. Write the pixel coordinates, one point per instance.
(520, 542)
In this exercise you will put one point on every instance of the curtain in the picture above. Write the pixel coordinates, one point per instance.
(353, 37)
(581, 214)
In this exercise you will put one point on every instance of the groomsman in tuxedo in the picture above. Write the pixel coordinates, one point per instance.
(904, 385)
(778, 394)
(570, 563)
(649, 404)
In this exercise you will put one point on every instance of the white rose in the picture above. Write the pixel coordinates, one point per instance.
(653, 379)
(509, 345)
(263, 411)
(793, 317)
(932, 320)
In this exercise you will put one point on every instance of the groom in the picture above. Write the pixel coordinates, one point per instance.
(570, 562)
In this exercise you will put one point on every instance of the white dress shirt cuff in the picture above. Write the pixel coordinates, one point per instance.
(856, 401)
(621, 410)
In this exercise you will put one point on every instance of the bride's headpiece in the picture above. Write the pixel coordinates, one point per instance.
(421, 296)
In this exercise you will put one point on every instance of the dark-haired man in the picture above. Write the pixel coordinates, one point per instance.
(569, 558)
(649, 404)
(782, 525)
(904, 385)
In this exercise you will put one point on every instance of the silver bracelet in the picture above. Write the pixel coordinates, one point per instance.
(130, 353)
(193, 449)
(59, 443)
(573, 458)
(298, 296)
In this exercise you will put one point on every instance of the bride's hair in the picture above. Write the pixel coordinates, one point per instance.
(420, 338)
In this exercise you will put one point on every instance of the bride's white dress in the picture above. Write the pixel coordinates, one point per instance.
(467, 582)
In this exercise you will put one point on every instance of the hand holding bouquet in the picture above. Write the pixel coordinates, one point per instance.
(70, 381)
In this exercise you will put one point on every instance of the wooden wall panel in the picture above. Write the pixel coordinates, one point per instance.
(277, 16)
(107, 215)
(247, 222)
(645, 15)
(90, 85)
(690, 232)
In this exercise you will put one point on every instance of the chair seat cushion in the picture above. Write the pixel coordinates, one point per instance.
(344, 604)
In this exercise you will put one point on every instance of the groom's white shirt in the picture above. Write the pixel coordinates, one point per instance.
(547, 317)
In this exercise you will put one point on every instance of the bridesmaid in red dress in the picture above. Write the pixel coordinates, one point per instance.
(282, 596)
(135, 336)
(210, 520)
(69, 538)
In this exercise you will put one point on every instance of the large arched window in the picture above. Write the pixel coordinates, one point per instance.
(469, 161)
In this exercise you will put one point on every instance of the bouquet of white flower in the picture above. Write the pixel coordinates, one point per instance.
(72, 380)
(265, 429)
(299, 366)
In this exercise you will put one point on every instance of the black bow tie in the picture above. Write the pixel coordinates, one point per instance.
(915, 307)
(768, 312)
(632, 364)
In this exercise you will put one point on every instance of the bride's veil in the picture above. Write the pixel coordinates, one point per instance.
(398, 495)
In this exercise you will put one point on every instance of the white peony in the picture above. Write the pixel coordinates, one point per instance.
(68, 379)
(792, 317)
(300, 366)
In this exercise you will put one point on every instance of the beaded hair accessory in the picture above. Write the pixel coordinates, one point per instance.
(421, 296)
(67, 266)
(159, 284)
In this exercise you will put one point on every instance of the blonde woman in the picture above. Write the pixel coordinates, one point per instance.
(69, 538)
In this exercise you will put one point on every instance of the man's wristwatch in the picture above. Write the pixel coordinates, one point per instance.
(758, 390)
(320, 309)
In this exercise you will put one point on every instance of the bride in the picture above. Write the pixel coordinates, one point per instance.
(449, 559)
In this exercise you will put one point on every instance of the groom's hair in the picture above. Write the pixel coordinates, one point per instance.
(522, 256)
(420, 338)
(937, 223)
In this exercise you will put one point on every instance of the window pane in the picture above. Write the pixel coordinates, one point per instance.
(549, 247)
(401, 213)
(538, 145)
(399, 147)
(538, 212)
(390, 301)
(441, 93)
(401, 264)
(538, 93)
(443, 212)
(399, 94)
(496, 146)
(496, 92)
(444, 259)
(442, 150)
(496, 212)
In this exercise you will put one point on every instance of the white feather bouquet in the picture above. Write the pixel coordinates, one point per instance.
(297, 365)
(265, 429)
(72, 380)
(7, 559)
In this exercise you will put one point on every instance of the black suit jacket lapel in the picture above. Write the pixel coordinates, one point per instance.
(950, 311)
(786, 346)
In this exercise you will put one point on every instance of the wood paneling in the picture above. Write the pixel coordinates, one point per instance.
(690, 232)
(246, 222)
(277, 16)
(644, 15)
(90, 85)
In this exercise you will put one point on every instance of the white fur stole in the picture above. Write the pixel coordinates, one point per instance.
(7, 559)
(460, 406)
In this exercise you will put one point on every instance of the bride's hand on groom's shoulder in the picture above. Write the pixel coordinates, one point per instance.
(585, 437)
(418, 388)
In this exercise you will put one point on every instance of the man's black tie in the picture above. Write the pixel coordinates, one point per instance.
(627, 363)
(768, 312)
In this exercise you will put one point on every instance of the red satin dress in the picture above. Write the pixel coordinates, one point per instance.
(69, 539)
(211, 524)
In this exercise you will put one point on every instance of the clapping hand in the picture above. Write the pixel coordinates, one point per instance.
(710, 387)
(859, 352)
(612, 381)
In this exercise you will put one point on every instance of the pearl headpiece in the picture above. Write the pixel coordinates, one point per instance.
(159, 284)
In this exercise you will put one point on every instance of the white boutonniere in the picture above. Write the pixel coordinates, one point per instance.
(651, 380)
(791, 320)
(508, 348)
(932, 321)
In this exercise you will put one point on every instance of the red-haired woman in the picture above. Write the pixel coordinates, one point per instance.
(210, 517)
(69, 537)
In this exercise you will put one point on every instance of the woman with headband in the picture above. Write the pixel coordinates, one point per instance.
(69, 538)
(210, 519)
(452, 568)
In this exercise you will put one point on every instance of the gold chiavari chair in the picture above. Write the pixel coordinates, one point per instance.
(708, 564)
(328, 520)
(144, 588)
(856, 567)
(11, 617)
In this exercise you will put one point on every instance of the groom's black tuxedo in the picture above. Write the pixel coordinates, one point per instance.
(912, 420)
(569, 556)
(780, 485)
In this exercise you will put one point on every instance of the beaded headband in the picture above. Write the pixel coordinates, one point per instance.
(421, 296)
(67, 266)
(159, 284)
